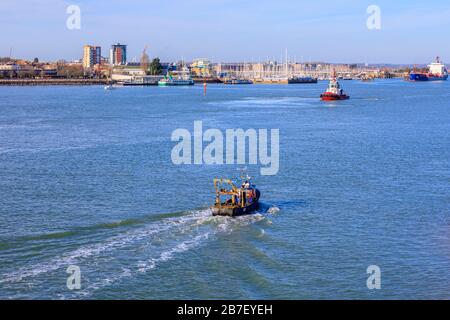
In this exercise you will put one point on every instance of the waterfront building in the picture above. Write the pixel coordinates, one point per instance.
(128, 72)
(229, 69)
(104, 60)
(118, 54)
(102, 70)
(9, 67)
(92, 55)
(9, 70)
(201, 67)
(48, 71)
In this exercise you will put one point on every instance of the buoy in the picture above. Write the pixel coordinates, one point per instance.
(204, 88)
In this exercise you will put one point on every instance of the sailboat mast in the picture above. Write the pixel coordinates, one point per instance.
(286, 61)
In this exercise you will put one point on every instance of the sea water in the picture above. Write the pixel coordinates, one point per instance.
(86, 179)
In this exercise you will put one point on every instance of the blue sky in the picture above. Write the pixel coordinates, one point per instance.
(231, 30)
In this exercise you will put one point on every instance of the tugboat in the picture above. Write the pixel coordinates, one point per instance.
(436, 72)
(235, 201)
(334, 91)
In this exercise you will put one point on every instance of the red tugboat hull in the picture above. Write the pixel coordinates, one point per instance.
(333, 97)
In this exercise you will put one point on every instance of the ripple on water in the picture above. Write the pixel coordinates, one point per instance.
(153, 244)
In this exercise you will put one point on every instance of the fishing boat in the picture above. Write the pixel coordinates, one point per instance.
(334, 91)
(436, 72)
(235, 201)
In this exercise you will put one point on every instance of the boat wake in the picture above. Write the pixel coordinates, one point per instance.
(273, 210)
(138, 250)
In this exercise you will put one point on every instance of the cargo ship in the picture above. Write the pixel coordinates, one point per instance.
(436, 72)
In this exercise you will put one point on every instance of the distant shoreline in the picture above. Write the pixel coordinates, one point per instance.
(40, 82)
(43, 82)
(93, 82)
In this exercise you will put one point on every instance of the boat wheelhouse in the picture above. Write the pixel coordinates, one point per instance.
(235, 201)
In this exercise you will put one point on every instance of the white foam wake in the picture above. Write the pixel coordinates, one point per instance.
(273, 210)
(173, 235)
(93, 250)
(222, 225)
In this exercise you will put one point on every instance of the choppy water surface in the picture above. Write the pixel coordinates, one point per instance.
(86, 179)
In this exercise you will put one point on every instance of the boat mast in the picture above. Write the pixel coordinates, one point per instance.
(286, 61)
